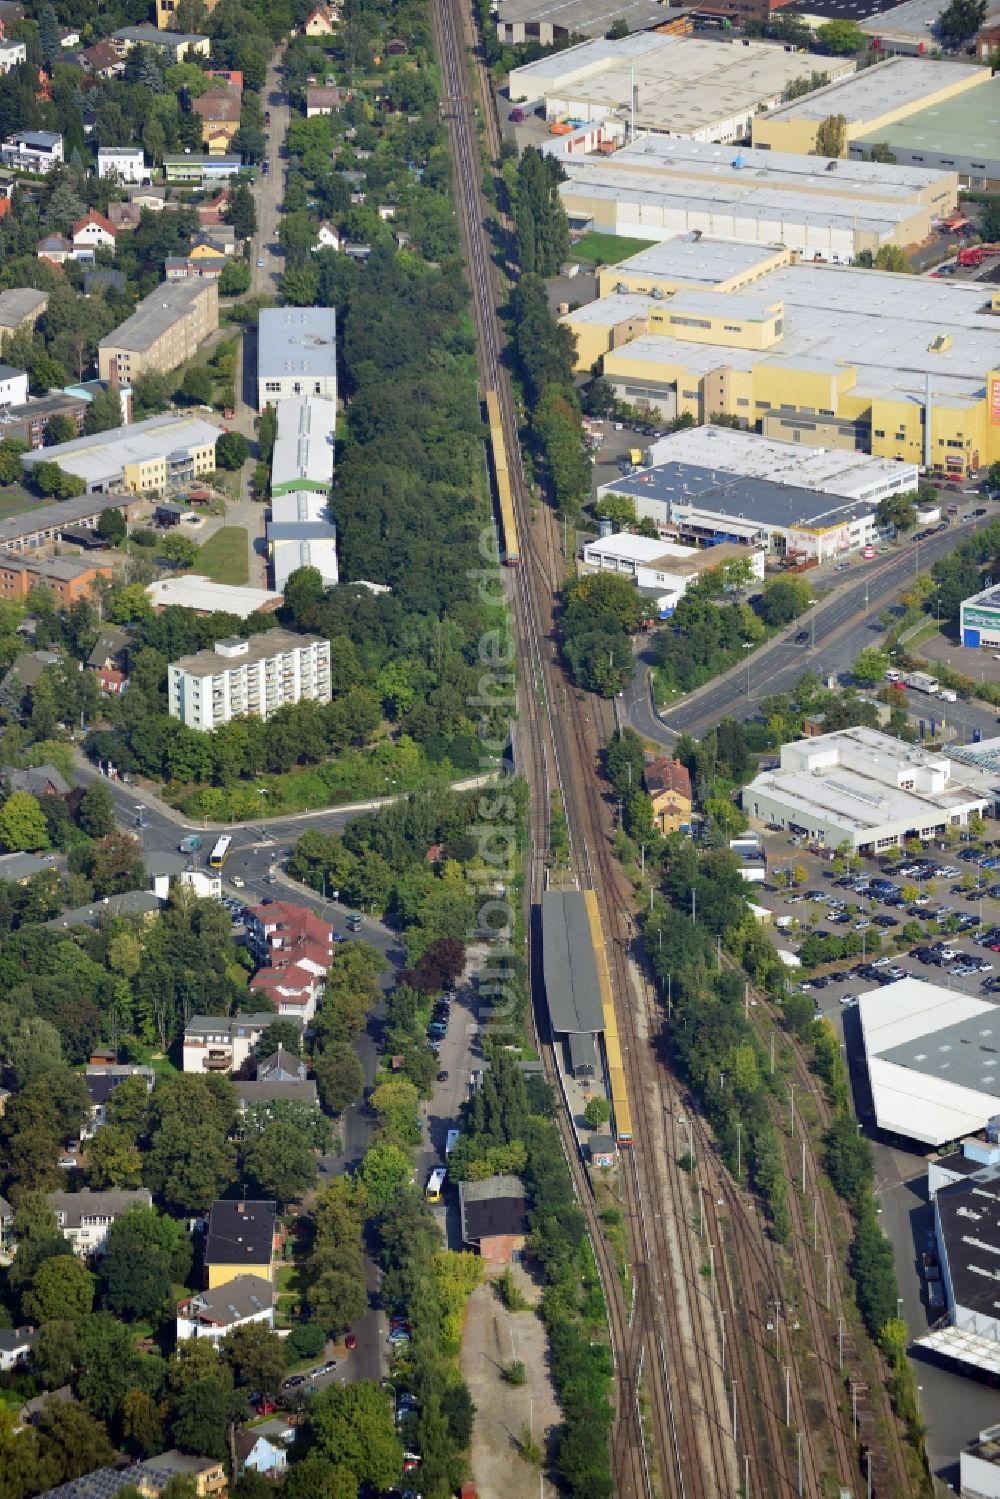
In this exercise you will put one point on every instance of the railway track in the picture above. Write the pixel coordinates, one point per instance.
(537, 749)
(815, 1244)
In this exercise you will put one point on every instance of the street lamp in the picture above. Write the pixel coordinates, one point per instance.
(748, 646)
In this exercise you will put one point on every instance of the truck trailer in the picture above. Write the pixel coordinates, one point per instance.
(922, 681)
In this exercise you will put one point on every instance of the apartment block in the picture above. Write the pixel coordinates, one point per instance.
(69, 579)
(164, 331)
(256, 676)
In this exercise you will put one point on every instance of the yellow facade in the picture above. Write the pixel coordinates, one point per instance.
(147, 341)
(704, 325)
(217, 135)
(623, 277)
(671, 811)
(221, 1275)
(166, 13)
(785, 130)
(141, 478)
(206, 252)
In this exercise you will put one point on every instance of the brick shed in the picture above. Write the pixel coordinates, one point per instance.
(494, 1218)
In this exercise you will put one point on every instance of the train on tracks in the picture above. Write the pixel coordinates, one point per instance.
(620, 1111)
(510, 551)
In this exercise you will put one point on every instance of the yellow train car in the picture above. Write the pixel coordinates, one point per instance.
(505, 503)
(620, 1107)
(612, 1045)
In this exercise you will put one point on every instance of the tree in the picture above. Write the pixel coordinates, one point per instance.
(280, 1161)
(70, 1442)
(352, 1425)
(597, 1112)
(838, 38)
(256, 1356)
(103, 412)
(235, 278)
(231, 451)
(870, 666)
(22, 824)
(339, 1076)
(831, 136)
(59, 428)
(180, 550)
(112, 527)
(11, 449)
(96, 813)
(385, 1170)
(48, 35)
(113, 1160)
(304, 590)
(116, 865)
(52, 480)
(240, 212)
(62, 1289)
(198, 385)
(960, 21)
(784, 599)
(204, 1399)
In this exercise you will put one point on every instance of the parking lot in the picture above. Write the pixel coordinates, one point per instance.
(925, 922)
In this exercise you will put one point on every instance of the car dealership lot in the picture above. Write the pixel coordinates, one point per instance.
(873, 910)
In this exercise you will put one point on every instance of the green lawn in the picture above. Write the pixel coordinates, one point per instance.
(224, 557)
(15, 501)
(607, 249)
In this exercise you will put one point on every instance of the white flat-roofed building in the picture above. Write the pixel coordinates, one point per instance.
(32, 151)
(205, 596)
(13, 386)
(296, 354)
(162, 453)
(662, 570)
(835, 471)
(707, 163)
(687, 86)
(11, 54)
(299, 534)
(304, 445)
(124, 163)
(863, 788)
(932, 1056)
(547, 21)
(256, 676)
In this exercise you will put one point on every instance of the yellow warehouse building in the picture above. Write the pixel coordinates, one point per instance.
(820, 343)
(872, 100)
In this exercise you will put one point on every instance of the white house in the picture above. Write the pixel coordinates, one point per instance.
(85, 1218)
(12, 53)
(327, 237)
(125, 163)
(13, 386)
(218, 1043)
(212, 1314)
(264, 1448)
(94, 231)
(15, 1346)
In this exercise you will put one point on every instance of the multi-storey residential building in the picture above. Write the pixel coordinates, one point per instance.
(32, 151)
(166, 13)
(69, 578)
(223, 1043)
(296, 354)
(126, 163)
(238, 1302)
(175, 44)
(85, 1218)
(165, 330)
(295, 948)
(242, 1239)
(21, 307)
(219, 111)
(29, 421)
(12, 53)
(256, 676)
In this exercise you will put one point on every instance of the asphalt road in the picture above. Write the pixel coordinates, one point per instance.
(840, 627)
(269, 191)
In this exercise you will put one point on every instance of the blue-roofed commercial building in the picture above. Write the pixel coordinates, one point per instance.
(296, 354)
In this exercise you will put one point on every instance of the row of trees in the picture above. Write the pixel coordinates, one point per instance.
(546, 355)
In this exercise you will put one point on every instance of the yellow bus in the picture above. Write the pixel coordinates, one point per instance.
(435, 1184)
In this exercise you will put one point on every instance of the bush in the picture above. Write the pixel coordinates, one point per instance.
(306, 1340)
